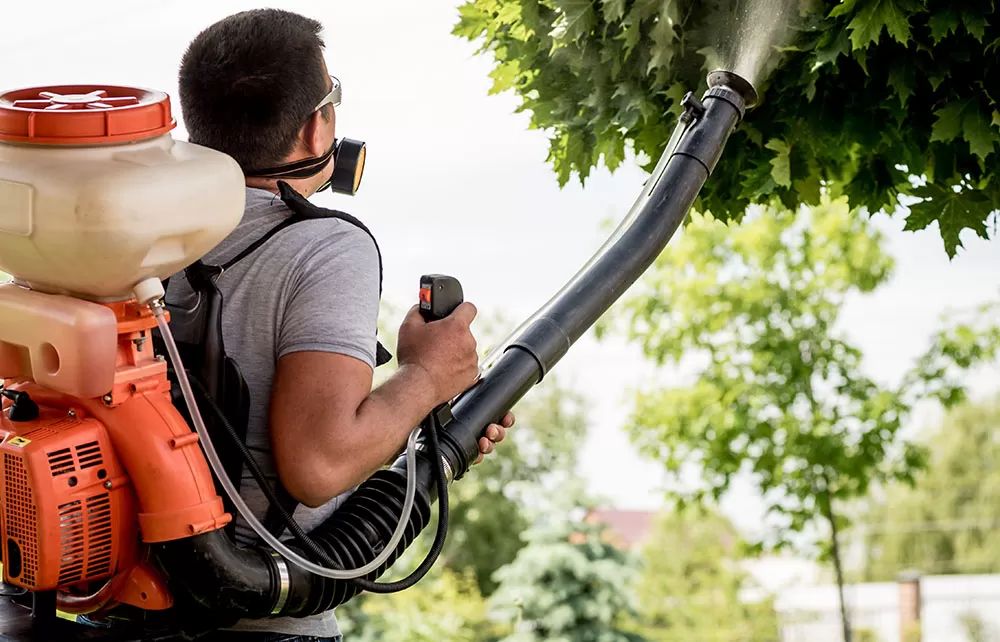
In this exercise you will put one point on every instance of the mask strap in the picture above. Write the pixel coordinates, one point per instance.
(298, 169)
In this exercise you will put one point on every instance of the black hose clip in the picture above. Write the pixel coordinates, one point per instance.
(693, 108)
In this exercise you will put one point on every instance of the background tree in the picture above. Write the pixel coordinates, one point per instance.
(868, 94)
(498, 500)
(445, 607)
(566, 585)
(947, 521)
(778, 393)
(690, 586)
(490, 509)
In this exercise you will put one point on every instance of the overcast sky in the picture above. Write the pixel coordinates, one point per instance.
(456, 183)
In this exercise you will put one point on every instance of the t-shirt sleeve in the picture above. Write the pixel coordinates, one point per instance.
(332, 298)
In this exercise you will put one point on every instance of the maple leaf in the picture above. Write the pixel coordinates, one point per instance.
(902, 79)
(943, 23)
(577, 20)
(965, 119)
(976, 130)
(472, 21)
(949, 122)
(781, 165)
(868, 22)
(614, 10)
(838, 44)
(953, 211)
(663, 36)
(975, 24)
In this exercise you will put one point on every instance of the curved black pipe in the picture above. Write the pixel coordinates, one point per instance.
(669, 195)
(232, 582)
(221, 582)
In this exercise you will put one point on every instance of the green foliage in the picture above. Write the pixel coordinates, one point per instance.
(447, 607)
(493, 504)
(778, 392)
(567, 585)
(870, 94)
(690, 589)
(955, 349)
(946, 522)
(976, 629)
(490, 509)
(865, 635)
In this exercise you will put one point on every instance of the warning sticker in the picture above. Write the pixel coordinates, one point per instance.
(18, 442)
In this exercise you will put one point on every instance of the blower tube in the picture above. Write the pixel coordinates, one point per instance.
(658, 212)
(212, 573)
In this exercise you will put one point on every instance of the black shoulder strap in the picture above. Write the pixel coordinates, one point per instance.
(250, 249)
(304, 210)
(202, 278)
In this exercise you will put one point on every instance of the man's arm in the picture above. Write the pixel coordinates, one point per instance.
(330, 431)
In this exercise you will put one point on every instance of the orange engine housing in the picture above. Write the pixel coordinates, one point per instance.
(69, 515)
(90, 482)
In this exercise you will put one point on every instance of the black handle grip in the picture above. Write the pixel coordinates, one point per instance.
(439, 296)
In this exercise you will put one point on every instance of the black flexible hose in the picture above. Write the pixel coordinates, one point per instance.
(430, 426)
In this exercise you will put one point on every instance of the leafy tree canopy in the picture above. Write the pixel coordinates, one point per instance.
(946, 522)
(778, 390)
(887, 102)
(567, 585)
(690, 587)
(445, 607)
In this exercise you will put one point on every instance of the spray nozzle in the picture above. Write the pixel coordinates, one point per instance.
(739, 84)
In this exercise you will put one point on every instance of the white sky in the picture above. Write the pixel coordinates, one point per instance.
(456, 183)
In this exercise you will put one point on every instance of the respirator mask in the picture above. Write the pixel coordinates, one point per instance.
(348, 158)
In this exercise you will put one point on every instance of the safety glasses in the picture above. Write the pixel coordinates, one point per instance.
(332, 98)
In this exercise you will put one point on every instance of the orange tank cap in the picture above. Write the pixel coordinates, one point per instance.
(83, 115)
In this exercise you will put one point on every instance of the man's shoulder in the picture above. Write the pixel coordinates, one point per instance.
(322, 238)
(323, 233)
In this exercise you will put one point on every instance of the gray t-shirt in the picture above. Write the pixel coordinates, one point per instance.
(313, 286)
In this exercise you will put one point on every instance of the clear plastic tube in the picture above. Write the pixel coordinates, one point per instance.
(244, 510)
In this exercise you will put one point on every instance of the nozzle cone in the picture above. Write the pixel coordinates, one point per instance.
(737, 83)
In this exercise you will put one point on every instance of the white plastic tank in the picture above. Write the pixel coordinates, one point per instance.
(96, 196)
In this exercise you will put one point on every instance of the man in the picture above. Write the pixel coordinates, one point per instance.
(300, 310)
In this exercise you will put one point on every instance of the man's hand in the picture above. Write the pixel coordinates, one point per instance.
(495, 433)
(445, 350)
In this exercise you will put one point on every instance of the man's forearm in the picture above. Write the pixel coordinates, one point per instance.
(330, 430)
(396, 406)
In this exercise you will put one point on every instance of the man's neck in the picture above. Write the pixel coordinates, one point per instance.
(300, 185)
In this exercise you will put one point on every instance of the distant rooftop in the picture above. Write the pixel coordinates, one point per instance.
(627, 529)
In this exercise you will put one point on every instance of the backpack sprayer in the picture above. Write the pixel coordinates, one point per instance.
(107, 496)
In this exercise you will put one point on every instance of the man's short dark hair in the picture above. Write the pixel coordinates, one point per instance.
(250, 81)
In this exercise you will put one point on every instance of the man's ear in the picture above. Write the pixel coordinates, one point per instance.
(313, 133)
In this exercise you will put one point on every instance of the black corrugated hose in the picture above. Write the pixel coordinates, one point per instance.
(429, 426)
